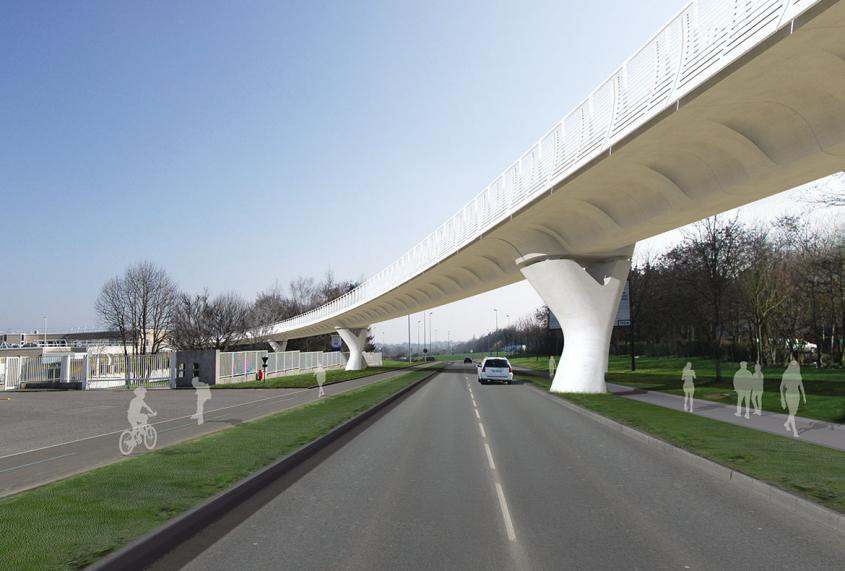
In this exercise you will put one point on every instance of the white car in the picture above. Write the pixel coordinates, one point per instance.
(495, 369)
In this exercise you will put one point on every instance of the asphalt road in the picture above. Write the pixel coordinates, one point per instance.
(45, 436)
(464, 476)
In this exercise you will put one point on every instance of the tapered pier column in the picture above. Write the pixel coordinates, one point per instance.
(584, 296)
(355, 339)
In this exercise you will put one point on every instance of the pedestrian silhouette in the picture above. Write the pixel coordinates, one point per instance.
(743, 379)
(552, 367)
(688, 376)
(791, 392)
(203, 393)
(320, 373)
(757, 390)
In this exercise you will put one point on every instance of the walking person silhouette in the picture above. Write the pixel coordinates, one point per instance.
(320, 373)
(552, 367)
(791, 392)
(757, 387)
(203, 394)
(688, 376)
(743, 379)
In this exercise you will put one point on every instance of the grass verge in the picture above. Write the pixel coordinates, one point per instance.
(71, 523)
(804, 469)
(308, 380)
(825, 388)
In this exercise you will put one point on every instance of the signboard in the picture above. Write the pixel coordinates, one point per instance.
(336, 342)
(623, 312)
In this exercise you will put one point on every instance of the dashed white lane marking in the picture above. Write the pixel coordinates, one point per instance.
(489, 456)
(481, 428)
(506, 514)
(478, 416)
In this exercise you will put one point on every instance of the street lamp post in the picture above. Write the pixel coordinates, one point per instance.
(45, 330)
(496, 312)
(418, 337)
(430, 313)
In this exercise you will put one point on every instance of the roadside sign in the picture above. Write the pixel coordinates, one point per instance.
(623, 312)
(336, 342)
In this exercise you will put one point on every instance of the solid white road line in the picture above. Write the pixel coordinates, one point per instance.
(38, 462)
(489, 456)
(506, 514)
(481, 428)
(207, 413)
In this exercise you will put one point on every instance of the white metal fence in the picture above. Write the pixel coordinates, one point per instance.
(704, 38)
(240, 366)
(108, 370)
(93, 371)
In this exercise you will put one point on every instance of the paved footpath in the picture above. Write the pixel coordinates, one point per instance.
(45, 436)
(819, 432)
(828, 434)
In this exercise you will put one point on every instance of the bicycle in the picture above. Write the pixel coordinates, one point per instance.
(132, 437)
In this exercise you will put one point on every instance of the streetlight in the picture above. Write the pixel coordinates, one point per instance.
(507, 329)
(45, 330)
(430, 313)
(434, 339)
(496, 312)
(418, 337)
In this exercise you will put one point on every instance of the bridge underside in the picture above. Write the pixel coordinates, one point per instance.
(773, 120)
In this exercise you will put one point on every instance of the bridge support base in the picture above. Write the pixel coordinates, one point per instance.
(584, 297)
(355, 339)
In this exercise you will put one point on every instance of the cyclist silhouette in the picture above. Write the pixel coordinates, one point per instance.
(135, 414)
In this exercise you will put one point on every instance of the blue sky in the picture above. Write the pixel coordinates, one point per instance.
(244, 143)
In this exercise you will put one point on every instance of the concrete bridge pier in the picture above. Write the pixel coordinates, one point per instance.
(355, 339)
(584, 296)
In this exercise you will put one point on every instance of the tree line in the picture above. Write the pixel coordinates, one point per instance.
(147, 309)
(730, 290)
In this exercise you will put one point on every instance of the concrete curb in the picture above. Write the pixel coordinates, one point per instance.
(147, 549)
(806, 509)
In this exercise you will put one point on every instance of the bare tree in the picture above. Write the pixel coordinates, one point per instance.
(715, 251)
(201, 322)
(829, 191)
(139, 306)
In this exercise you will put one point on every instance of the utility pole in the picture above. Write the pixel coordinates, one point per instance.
(496, 312)
(425, 346)
(409, 338)
(430, 313)
(45, 330)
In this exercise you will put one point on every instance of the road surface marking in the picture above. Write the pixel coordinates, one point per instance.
(481, 428)
(489, 456)
(478, 416)
(38, 462)
(277, 397)
(506, 514)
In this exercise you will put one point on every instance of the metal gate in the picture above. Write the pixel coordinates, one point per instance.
(12, 372)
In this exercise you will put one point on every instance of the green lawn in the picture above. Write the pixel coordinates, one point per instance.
(308, 380)
(71, 523)
(815, 472)
(825, 387)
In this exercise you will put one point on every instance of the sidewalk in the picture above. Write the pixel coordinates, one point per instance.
(818, 432)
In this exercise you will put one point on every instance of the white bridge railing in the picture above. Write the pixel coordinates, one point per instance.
(703, 38)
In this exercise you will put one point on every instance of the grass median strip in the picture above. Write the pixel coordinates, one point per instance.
(308, 380)
(72, 523)
(814, 472)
